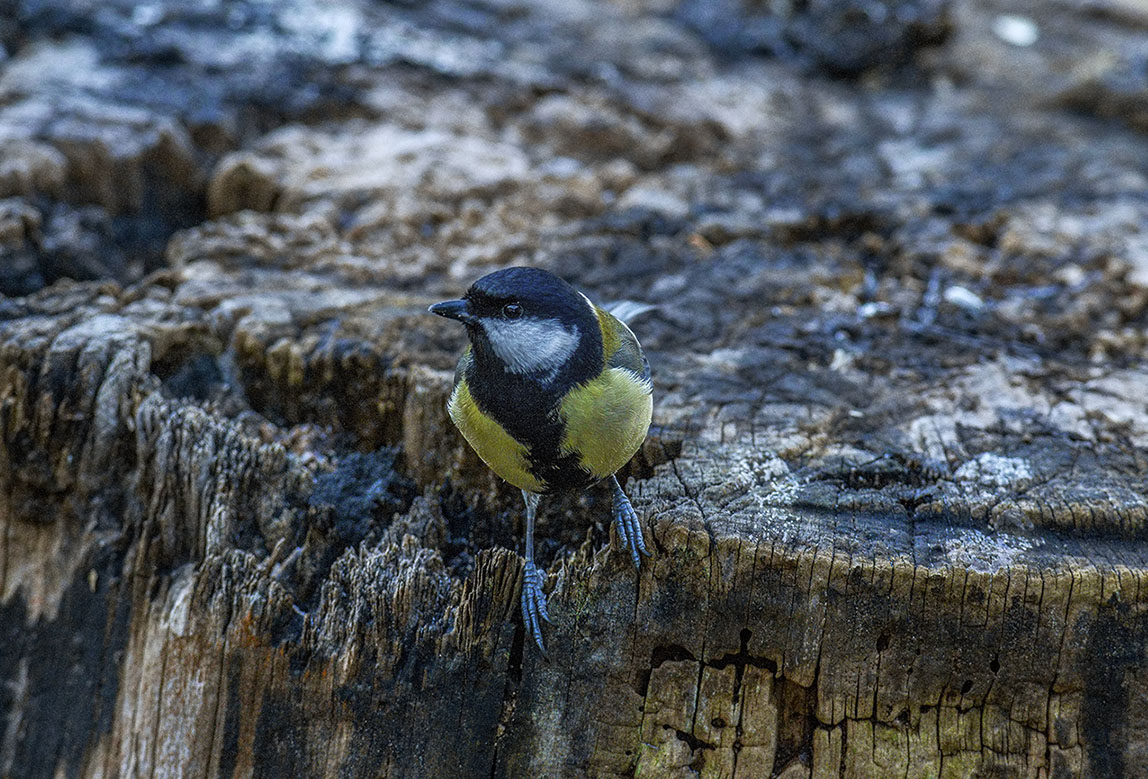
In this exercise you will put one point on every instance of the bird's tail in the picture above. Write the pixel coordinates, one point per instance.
(628, 310)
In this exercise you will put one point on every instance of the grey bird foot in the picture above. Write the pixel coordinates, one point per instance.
(534, 603)
(629, 529)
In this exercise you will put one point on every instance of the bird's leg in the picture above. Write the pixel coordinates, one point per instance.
(629, 529)
(533, 599)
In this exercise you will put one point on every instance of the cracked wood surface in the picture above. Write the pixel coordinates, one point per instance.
(213, 593)
(896, 483)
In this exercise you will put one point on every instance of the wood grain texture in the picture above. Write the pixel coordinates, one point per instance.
(896, 485)
(188, 593)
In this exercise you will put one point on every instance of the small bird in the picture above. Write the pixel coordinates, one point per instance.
(554, 394)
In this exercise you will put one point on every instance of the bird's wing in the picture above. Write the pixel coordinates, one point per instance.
(623, 349)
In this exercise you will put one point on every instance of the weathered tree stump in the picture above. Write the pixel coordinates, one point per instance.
(897, 484)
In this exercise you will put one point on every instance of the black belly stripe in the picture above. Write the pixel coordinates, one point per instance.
(563, 473)
(528, 411)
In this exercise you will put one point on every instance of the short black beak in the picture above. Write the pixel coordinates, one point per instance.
(454, 309)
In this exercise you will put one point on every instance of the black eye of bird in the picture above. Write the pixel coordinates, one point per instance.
(511, 311)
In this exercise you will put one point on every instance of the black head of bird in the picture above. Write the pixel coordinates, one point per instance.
(553, 393)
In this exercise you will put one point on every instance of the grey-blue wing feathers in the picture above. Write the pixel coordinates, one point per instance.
(629, 354)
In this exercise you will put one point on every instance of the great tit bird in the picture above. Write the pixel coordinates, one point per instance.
(554, 394)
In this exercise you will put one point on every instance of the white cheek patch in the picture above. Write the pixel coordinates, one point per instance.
(531, 345)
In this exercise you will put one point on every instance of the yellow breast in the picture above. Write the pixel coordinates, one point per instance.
(606, 420)
(505, 456)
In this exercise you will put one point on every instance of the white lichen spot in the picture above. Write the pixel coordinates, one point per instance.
(842, 360)
(962, 297)
(1016, 30)
(993, 470)
(985, 552)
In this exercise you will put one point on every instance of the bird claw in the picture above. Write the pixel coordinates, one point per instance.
(629, 528)
(534, 603)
